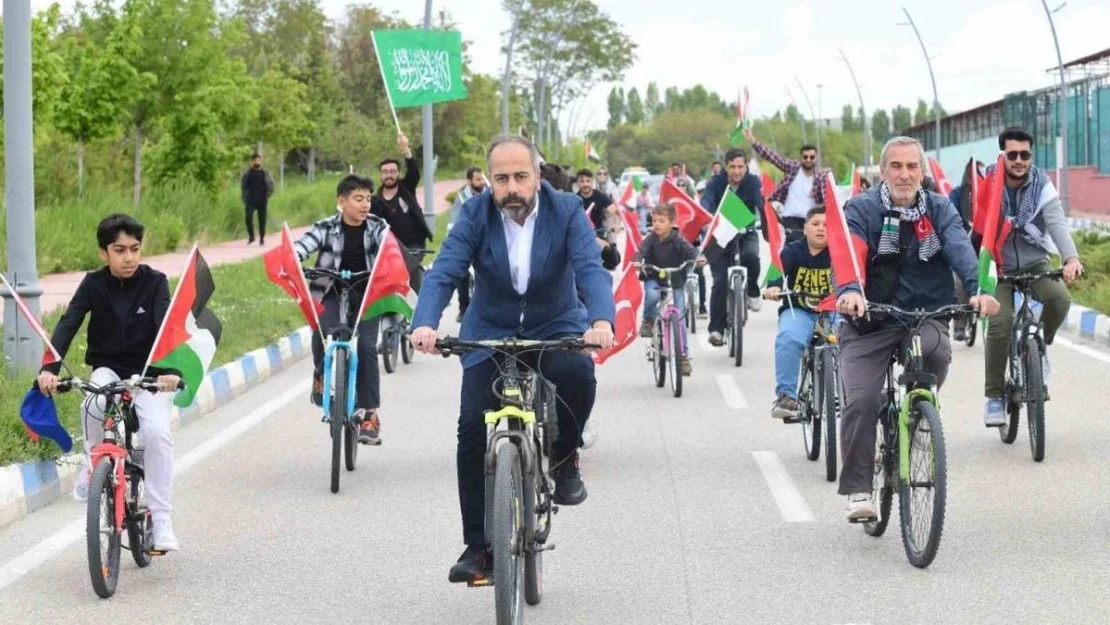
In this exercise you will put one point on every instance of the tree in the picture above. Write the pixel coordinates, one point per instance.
(635, 108)
(652, 105)
(616, 108)
(880, 126)
(901, 118)
(793, 116)
(933, 111)
(283, 115)
(847, 119)
(921, 115)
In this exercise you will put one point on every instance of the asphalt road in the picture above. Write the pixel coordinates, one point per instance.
(683, 523)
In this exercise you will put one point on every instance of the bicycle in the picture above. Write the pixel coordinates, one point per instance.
(667, 346)
(819, 389)
(340, 369)
(971, 328)
(909, 447)
(1025, 383)
(116, 487)
(736, 307)
(519, 491)
(394, 330)
(691, 289)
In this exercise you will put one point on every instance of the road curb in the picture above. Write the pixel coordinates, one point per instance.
(1088, 324)
(29, 486)
(1102, 225)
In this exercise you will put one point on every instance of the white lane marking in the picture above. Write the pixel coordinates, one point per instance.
(791, 504)
(1083, 349)
(734, 397)
(59, 541)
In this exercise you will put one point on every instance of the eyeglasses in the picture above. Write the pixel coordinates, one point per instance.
(809, 157)
(1014, 155)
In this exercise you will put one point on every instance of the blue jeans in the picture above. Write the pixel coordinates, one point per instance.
(795, 330)
(652, 295)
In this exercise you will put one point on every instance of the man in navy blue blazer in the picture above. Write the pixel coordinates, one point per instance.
(533, 250)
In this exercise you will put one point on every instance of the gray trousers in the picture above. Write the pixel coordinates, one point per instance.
(863, 365)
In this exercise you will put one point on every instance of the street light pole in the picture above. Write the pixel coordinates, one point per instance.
(816, 122)
(1062, 181)
(932, 77)
(21, 345)
(429, 151)
(863, 113)
(819, 121)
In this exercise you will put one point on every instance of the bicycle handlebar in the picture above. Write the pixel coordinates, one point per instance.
(920, 315)
(133, 383)
(1025, 280)
(419, 252)
(349, 278)
(449, 345)
(666, 271)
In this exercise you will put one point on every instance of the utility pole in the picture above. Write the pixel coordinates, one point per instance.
(864, 121)
(789, 95)
(21, 345)
(932, 77)
(429, 151)
(816, 122)
(1062, 162)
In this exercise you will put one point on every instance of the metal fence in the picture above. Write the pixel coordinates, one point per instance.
(1088, 123)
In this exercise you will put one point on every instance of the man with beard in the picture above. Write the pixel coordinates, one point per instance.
(914, 242)
(533, 254)
(1032, 206)
(395, 201)
(256, 187)
(593, 200)
(475, 185)
(800, 190)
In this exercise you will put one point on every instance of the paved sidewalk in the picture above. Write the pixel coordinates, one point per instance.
(59, 288)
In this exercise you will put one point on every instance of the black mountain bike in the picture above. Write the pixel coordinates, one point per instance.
(394, 329)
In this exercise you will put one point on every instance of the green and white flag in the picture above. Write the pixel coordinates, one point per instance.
(420, 66)
(732, 216)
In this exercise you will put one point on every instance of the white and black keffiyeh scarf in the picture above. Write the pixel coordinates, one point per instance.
(929, 242)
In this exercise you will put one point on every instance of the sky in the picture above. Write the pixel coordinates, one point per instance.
(980, 49)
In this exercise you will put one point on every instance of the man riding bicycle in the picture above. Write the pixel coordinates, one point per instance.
(747, 186)
(801, 188)
(533, 253)
(126, 303)
(911, 241)
(1032, 206)
(348, 241)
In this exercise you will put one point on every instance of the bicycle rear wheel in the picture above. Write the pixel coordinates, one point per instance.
(675, 362)
(1034, 397)
(508, 534)
(807, 412)
(921, 498)
(972, 329)
(882, 481)
(534, 525)
(100, 531)
(738, 305)
(827, 407)
(1008, 432)
(140, 525)
(407, 350)
(338, 415)
(659, 360)
(547, 419)
(692, 309)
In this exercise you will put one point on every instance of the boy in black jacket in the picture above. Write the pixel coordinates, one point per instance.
(127, 302)
(806, 266)
(665, 247)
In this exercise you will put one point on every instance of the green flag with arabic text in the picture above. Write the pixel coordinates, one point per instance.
(421, 66)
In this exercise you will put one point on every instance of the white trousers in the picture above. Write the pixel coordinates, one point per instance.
(153, 410)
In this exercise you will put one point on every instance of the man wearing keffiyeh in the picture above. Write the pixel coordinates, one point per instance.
(1039, 228)
(910, 242)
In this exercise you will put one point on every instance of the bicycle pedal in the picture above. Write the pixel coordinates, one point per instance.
(480, 583)
(873, 519)
(156, 552)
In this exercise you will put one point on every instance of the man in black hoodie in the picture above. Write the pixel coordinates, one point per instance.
(595, 202)
(748, 187)
(256, 186)
(396, 203)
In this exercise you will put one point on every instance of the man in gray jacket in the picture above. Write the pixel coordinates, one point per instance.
(1039, 227)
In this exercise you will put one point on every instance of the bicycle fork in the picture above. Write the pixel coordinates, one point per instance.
(329, 376)
(111, 452)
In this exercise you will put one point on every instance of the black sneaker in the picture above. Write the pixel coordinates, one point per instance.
(569, 489)
(317, 395)
(476, 563)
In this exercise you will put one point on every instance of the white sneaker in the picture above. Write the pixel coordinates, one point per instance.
(754, 304)
(589, 435)
(164, 539)
(81, 486)
(861, 508)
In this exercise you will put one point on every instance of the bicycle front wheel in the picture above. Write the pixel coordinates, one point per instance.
(692, 309)
(407, 351)
(1034, 397)
(922, 497)
(508, 535)
(100, 531)
(140, 526)
(391, 344)
(972, 329)
(827, 407)
(659, 359)
(534, 526)
(807, 413)
(675, 362)
(338, 416)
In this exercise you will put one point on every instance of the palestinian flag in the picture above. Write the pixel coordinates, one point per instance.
(50, 355)
(631, 190)
(776, 239)
(732, 217)
(190, 332)
(591, 153)
(742, 112)
(388, 291)
(690, 217)
(991, 226)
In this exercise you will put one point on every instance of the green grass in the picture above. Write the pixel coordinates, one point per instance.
(1093, 291)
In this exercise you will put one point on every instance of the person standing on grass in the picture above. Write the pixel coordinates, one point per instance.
(256, 186)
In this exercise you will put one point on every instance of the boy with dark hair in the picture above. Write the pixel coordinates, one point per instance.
(348, 241)
(126, 302)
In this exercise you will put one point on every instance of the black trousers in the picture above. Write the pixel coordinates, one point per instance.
(573, 377)
(369, 378)
(749, 259)
(250, 209)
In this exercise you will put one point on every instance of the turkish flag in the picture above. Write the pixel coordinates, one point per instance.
(628, 295)
(940, 181)
(690, 217)
(848, 252)
(284, 269)
(632, 237)
(768, 185)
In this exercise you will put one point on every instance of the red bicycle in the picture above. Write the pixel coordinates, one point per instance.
(116, 499)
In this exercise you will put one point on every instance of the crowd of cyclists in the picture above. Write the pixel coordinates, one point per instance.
(525, 263)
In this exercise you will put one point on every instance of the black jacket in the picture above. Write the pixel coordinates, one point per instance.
(600, 202)
(671, 251)
(750, 191)
(406, 191)
(256, 186)
(126, 315)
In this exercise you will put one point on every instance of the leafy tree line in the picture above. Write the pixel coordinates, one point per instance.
(154, 92)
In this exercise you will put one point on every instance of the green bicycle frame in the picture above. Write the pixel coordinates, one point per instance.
(904, 415)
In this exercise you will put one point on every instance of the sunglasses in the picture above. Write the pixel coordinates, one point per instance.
(1014, 155)
(809, 157)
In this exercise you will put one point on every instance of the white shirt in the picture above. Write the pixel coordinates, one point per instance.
(518, 239)
(798, 199)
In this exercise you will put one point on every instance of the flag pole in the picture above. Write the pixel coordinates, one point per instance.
(176, 290)
(385, 83)
(287, 235)
(22, 306)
